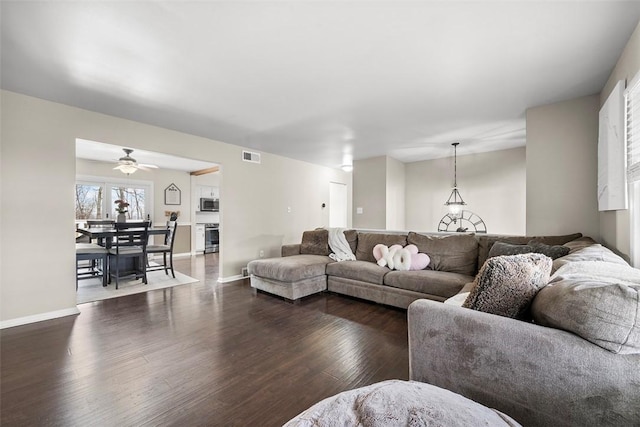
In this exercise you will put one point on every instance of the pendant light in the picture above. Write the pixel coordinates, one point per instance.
(455, 202)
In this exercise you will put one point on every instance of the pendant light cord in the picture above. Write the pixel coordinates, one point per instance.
(455, 164)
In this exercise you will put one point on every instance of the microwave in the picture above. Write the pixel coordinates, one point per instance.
(209, 205)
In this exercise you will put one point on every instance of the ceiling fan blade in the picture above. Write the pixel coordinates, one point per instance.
(143, 165)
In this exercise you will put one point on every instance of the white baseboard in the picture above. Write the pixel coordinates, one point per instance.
(231, 278)
(182, 255)
(39, 317)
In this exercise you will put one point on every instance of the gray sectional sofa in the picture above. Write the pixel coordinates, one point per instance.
(575, 361)
(306, 268)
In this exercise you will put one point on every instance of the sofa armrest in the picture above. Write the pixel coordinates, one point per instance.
(289, 250)
(539, 376)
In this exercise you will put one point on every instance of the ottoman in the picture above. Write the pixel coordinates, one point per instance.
(291, 277)
(400, 403)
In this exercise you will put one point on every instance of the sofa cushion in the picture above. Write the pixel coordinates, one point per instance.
(457, 253)
(315, 242)
(595, 252)
(358, 270)
(580, 243)
(486, 242)
(291, 268)
(506, 285)
(439, 283)
(599, 301)
(366, 242)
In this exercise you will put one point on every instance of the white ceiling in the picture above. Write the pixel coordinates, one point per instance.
(318, 81)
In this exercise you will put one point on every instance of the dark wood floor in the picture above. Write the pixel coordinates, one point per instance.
(198, 354)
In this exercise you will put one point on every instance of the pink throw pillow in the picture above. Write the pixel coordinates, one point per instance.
(419, 261)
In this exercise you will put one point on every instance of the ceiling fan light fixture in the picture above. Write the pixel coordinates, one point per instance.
(127, 168)
(129, 165)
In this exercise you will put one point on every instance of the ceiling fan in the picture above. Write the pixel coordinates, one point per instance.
(129, 165)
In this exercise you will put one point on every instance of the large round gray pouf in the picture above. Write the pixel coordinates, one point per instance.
(400, 403)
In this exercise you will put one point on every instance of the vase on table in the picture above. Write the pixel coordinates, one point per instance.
(121, 218)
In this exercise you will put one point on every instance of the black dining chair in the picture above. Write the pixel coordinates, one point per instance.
(165, 249)
(129, 244)
(91, 252)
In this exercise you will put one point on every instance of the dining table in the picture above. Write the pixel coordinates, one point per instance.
(104, 235)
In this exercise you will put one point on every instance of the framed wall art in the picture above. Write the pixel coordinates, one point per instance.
(172, 195)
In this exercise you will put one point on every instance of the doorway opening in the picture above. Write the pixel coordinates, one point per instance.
(169, 190)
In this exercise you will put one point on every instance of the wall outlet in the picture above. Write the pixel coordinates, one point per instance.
(359, 211)
(261, 254)
(288, 209)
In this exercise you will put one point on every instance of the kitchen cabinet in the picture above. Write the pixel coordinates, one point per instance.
(208, 192)
(199, 237)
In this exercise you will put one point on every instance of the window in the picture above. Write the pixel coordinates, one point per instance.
(632, 136)
(89, 201)
(96, 196)
(135, 196)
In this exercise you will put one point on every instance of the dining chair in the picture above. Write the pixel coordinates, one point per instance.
(165, 249)
(129, 244)
(91, 252)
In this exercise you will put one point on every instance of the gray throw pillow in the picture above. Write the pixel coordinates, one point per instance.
(552, 251)
(486, 242)
(352, 239)
(315, 242)
(506, 285)
(501, 249)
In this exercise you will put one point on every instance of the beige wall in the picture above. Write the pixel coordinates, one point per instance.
(369, 193)
(395, 194)
(379, 189)
(38, 171)
(615, 228)
(492, 184)
(562, 170)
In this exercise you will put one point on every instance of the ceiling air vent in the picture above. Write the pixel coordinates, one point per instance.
(249, 156)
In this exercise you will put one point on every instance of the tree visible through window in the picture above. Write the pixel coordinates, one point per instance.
(88, 201)
(135, 197)
(95, 199)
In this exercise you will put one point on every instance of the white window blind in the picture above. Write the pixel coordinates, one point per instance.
(632, 101)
